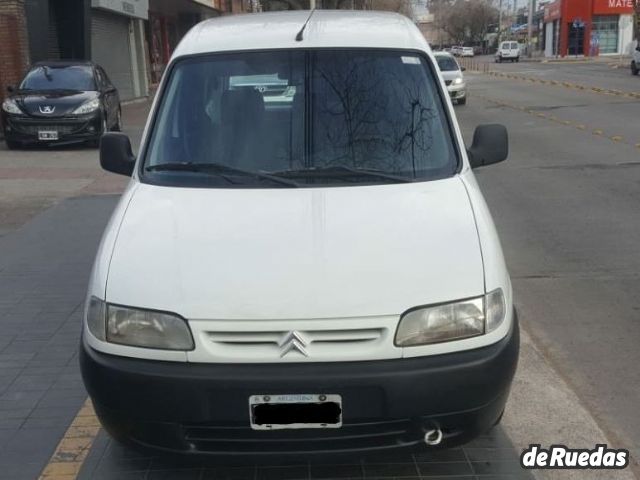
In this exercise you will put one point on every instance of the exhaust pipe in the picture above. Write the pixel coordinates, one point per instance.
(433, 437)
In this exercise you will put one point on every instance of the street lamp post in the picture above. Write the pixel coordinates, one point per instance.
(499, 23)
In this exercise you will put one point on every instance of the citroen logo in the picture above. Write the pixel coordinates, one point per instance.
(293, 341)
(47, 109)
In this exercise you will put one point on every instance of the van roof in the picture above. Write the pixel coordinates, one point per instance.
(326, 28)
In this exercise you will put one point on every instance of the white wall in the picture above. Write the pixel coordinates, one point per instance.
(625, 38)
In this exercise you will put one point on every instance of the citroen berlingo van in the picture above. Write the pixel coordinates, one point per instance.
(302, 262)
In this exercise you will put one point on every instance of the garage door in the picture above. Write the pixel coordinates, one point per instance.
(110, 48)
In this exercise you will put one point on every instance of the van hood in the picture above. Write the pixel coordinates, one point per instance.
(296, 253)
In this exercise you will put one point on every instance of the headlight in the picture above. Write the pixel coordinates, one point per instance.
(88, 107)
(10, 106)
(452, 321)
(138, 328)
(458, 81)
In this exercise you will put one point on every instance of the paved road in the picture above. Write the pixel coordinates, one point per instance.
(605, 72)
(567, 207)
(36, 178)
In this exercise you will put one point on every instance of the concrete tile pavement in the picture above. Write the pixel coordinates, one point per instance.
(43, 274)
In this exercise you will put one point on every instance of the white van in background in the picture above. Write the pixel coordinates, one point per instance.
(508, 51)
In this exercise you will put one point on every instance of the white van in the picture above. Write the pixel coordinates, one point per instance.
(508, 51)
(312, 272)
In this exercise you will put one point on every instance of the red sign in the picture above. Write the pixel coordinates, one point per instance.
(611, 7)
(553, 11)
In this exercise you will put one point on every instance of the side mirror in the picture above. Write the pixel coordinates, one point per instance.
(463, 69)
(115, 153)
(490, 145)
(638, 48)
(10, 88)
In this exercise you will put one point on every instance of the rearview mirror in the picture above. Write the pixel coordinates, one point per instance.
(490, 145)
(115, 154)
(463, 69)
(10, 88)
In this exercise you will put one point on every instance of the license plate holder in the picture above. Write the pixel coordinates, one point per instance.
(295, 411)
(47, 135)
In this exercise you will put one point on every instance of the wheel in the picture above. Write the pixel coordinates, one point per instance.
(517, 59)
(634, 69)
(11, 145)
(499, 60)
(462, 101)
(118, 126)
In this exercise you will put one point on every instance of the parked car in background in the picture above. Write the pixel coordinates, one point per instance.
(635, 60)
(509, 50)
(467, 52)
(61, 102)
(456, 50)
(301, 277)
(453, 77)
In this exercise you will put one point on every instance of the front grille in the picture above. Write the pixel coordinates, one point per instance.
(271, 345)
(33, 126)
(354, 436)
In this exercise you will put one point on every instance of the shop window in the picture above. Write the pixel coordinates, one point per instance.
(605, 33)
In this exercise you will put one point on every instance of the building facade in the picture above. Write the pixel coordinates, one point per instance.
(131, 39)
(588, 27)
(14, 44)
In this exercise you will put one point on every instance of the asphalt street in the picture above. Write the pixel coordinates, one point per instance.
(566, 207)
(611, 72)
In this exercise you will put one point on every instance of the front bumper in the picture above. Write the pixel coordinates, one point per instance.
(203, 408)
(24, 129)
(457, 92)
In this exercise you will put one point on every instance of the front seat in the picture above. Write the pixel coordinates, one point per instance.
(242, 126)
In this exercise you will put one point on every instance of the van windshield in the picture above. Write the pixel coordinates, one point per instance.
(300, 118)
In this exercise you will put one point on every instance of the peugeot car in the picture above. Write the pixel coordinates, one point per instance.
(315, 275)
(61, 102)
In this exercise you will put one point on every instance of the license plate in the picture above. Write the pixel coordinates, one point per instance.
(280, 412)
(47, 135)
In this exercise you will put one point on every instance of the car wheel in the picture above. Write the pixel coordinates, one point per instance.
(634, 69)
(517, 59)
(11, 145)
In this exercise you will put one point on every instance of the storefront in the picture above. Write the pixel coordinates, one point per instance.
(117, 43)
(581, 28)
(169, 20)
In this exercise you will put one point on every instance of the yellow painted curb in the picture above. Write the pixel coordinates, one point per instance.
(71, 452)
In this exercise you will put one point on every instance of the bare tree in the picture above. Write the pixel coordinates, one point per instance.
(464, 21)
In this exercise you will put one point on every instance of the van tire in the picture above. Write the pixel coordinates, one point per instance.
(634, 69)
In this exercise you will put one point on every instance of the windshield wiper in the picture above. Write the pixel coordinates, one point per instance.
(216, 168)
(341, 171)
